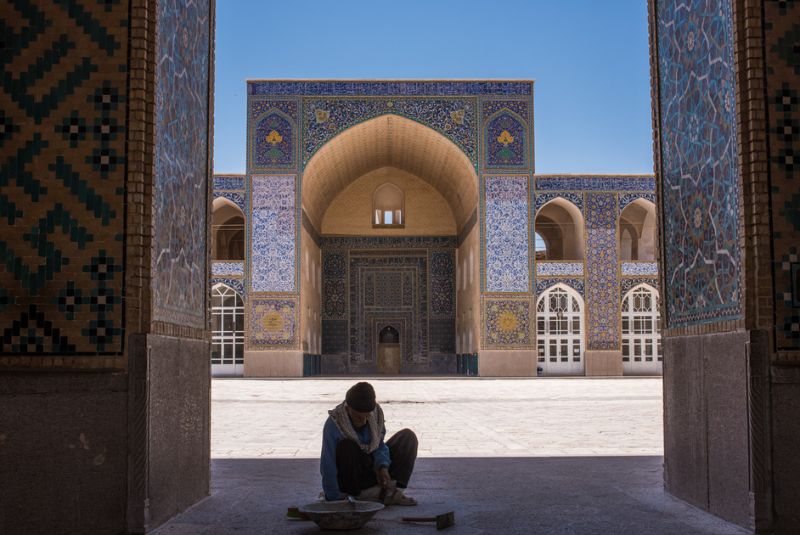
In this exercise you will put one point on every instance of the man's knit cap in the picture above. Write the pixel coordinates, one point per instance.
(361, 397)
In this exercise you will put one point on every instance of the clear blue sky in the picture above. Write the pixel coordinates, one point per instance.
(589, 59)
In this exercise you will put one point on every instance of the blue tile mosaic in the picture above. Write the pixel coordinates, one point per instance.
(228, 182)
(324, 118)
(699, 161)
(273, 232)
(227, 268)
(629, 283)
(596, 183)
(272, 134)
(507, 323)
(505, 141)
(272, 323)
(506, 233)
(602, 290)
(639, 268)
(408, 88)
(559, 269)
(181, 162)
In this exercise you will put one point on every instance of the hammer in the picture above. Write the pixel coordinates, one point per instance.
(444, 520)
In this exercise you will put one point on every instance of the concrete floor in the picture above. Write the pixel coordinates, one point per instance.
(564, 456)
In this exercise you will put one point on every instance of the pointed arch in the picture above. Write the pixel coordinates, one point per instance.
(561, 225)
(560, 331)
(641, 337)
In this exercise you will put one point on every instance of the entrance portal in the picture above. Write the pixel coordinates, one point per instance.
(389, 354)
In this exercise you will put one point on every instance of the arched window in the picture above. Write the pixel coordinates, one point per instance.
(227, 230)
(637, 231)
(559, 331)
(641, 340)
(227, 331)
(388, 206)
(541, 247)
(559, 223)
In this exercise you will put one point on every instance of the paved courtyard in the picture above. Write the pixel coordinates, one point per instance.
(567, 456)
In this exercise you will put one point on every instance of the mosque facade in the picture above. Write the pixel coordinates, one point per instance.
(399, 227)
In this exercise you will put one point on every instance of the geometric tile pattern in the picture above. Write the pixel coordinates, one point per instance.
(181, 163)
(507, 323)
(699, 161)
(506, 233)
(558, 269)
(273, 232)
(324, 118)
(272, 323)
(371, 282)
(782, 58)
(639, 268)
(63, 132)
(602, 288)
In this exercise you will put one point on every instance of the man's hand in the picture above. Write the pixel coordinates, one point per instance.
(382, 474)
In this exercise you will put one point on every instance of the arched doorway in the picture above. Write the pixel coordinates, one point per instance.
(641, 340)
(389, 354)
(390, 207)
(227, 331)
(560, 331)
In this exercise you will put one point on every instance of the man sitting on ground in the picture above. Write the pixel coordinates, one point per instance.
(355, 460)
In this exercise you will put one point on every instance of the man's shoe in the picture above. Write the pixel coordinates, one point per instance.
(372, 494)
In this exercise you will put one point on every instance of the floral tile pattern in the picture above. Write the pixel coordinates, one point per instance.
(507, 323)
(540, 199)
(628, 283)
(272, 134)
(236, 284)
(227, 268)
(272, 235)
(507, 233)
(596, 183)
(602, 289)
(559, 269)
(389, 88)
(626, 198)
(576, 284)
(324, 118)
(506, 134)
(699, 161)
(639, 268)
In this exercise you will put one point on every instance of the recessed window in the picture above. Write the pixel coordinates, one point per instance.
(388, 207)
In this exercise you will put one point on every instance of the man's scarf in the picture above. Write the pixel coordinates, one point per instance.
(374, 421)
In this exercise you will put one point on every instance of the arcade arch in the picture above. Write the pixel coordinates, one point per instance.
(227, 230)
(637, 231)
(560, 225)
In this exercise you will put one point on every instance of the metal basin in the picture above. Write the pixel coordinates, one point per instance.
(341, 515)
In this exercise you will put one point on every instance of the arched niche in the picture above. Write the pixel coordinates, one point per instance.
(227, 230)
(560, 225)
(388, 203)
(637, 231)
